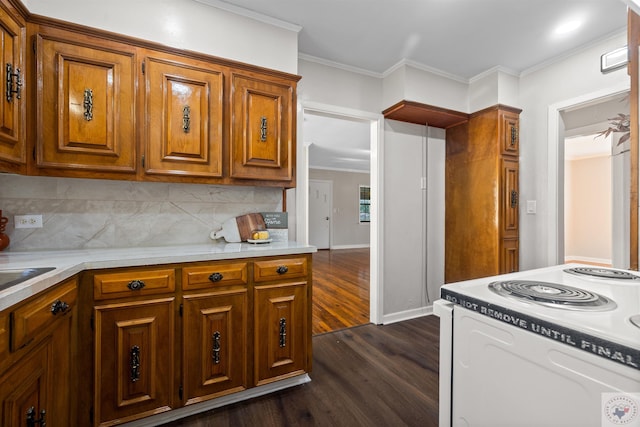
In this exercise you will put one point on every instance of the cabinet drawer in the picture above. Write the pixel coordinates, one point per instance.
(29, 319)
(208, 276)
(133, 283)
(278, 269)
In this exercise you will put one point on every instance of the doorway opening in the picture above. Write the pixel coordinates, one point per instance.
(576, 122)
(596, 183)
(338, 156)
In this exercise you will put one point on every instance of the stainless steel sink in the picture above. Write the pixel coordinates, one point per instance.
(11, 277)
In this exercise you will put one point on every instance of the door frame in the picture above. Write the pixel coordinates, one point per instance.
(555, 183)
(376, 256)
(326, 181)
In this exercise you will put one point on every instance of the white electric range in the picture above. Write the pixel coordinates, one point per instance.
(544, 347)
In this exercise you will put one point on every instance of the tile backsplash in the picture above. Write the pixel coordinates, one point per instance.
(86, 213)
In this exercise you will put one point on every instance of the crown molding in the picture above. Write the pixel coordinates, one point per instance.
(219, 4)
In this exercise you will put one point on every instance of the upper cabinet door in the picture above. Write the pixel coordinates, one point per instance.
(183, 118)
(86, 108)
(12, 104)
(262, 129)
(510, 131)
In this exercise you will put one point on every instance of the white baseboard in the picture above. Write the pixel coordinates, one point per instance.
(406, 315)
(186, 411)
(358, 246)
(586, 259)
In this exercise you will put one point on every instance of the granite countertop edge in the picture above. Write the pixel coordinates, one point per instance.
(68, 263)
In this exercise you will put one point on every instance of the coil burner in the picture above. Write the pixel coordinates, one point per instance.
(552, 295)
(602, 273)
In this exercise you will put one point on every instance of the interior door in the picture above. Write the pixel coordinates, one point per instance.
(320, 194)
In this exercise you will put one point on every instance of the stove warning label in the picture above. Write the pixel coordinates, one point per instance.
(621, 409)
(597, 346)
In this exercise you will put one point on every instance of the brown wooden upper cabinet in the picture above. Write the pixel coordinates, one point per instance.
(104, 105)
(184, 113)
(12, 104)
(262, 128)
(86, 106)
(510, 133)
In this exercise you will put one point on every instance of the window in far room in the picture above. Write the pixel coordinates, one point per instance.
(365, 203)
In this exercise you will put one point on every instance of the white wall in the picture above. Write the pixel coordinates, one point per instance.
(407, 82)
(493, 87)
(332, 86)
(588, 207)
(405, 219)
(570, 78)
(414, 219)
(347, 229)
(183, 24)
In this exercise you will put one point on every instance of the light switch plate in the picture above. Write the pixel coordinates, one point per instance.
(531, 206)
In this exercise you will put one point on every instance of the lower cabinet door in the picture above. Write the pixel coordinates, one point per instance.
(134, 359)
(510, 257)
(215, 342)
(24, 391)
(280, 325)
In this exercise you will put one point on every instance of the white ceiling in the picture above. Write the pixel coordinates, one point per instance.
(457, 38)
(461, 38)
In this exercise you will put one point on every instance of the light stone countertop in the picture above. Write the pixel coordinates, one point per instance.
(70, 262)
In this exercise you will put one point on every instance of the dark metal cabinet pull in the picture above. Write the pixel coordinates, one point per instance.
(215, 352)
(31, 418)
(10, 76)
(186, 119)
(88, 105)
(263, 129)
(134, 363)
(216, 277)
(135, 285)
(59, 307)
(283, 332)
(282, 269)
(514, 135)
(514, 198)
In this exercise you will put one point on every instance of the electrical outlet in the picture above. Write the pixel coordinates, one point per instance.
(28, 221)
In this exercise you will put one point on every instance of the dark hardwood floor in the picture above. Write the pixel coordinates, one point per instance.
(368, 375)
(340, 289)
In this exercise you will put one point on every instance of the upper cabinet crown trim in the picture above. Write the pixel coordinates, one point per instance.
(423, 114)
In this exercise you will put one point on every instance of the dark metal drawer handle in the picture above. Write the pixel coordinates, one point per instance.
(59, 307)
(31, 418)
(135, 285)
(216, 348)
(282, 269)
(216, 277)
